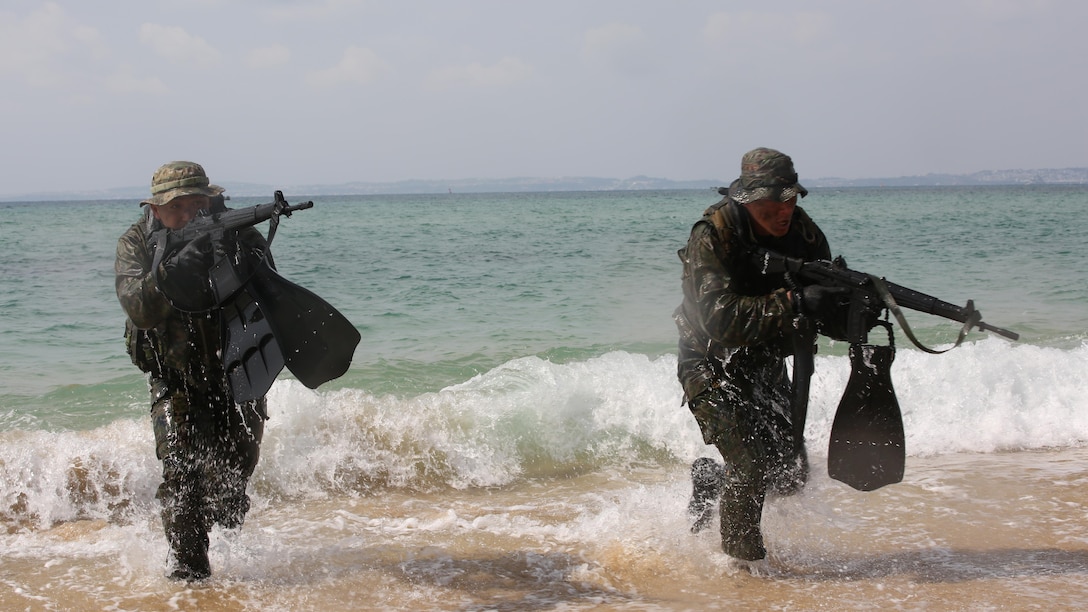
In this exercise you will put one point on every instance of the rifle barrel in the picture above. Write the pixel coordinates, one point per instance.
(301, 206)
(825, 272)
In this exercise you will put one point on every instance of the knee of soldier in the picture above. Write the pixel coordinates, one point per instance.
(706, 470)
(744, 464)
(173, 422)
(231, 511)
(712, 415)
(791, 475)
(237, 459)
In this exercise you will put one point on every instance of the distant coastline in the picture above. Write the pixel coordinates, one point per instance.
(1046, 176)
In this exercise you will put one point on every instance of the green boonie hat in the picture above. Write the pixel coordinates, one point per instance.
(766, 174)
(180, 178)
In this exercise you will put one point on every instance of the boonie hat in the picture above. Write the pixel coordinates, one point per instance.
(766, 174)
(180, 178)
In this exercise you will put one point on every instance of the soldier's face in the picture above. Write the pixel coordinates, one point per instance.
(771, 217)
(177, 213)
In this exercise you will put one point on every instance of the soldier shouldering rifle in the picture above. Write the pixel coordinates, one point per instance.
(212, 324)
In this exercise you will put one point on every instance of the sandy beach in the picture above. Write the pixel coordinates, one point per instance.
(962, 532)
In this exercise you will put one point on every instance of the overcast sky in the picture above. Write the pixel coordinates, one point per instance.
(96, 95)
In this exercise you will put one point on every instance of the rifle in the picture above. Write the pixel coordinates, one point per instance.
(867, 448)
(217, 225)
(869, 295)
(268, 321)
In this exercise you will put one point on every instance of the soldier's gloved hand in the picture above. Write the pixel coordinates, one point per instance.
(184, 279)
(828, 306)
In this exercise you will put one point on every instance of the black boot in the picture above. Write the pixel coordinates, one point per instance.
(190, 552)
(741, 512)
(188, 537)
(706, 481)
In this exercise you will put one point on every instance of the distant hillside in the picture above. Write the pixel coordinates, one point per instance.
(507, 185)
(1065, 176)
(1051, 176)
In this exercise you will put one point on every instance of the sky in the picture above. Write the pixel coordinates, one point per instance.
(97, 95)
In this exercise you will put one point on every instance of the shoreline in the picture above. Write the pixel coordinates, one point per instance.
(962, 531)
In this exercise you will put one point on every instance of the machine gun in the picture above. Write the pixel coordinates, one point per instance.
(867, 449)
(268, 321)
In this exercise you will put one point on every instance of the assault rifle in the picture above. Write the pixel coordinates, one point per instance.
(217, 223)
(870, 295)
(268, 321)
(867, 448)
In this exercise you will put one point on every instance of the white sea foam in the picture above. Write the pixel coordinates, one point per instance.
(535, 418)
(531, 417)
(984, 396)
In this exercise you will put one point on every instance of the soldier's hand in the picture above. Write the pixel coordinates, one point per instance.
(828, 306)
(818, 299)
(183, 277)
(194, 258)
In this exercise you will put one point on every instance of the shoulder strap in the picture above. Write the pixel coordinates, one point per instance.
(724, 219)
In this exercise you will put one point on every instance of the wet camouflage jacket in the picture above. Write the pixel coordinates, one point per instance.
(163, 341)
(727, 303)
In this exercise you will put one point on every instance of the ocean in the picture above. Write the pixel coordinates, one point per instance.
(510, 435)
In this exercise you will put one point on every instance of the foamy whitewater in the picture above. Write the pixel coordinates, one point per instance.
(510, 435)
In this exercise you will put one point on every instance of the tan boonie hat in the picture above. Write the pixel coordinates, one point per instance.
(180, 178)
(766, 174)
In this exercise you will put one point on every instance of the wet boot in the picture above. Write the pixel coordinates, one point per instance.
(741, 511)
(706, 480)
(189, 548)
(188, 538)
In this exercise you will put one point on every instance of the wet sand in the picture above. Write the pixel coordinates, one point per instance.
(962, 532)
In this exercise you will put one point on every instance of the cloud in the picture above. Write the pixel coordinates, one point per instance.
(38, 46)
(309, 10)
(506, 71)
(1005, 10)
(268, 57)
(124, 82)
(610, 38)
(618, 46)
(741, 29)
(177, 45)
(359, 65)
(90, 40)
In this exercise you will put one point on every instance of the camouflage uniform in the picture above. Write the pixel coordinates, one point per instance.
(208, 444)
(735, 328)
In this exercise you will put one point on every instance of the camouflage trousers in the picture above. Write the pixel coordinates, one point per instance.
(747, 417)
(209, 447)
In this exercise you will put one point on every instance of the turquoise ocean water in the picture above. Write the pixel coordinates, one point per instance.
(511, 339)
(444, 287)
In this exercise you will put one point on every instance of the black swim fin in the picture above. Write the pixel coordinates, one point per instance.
(868, 449)
(251, 356)
(317, 342)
